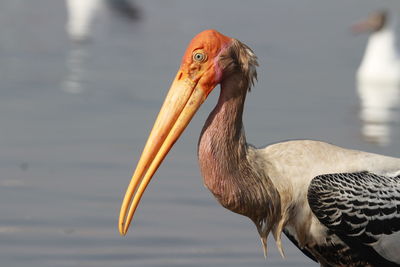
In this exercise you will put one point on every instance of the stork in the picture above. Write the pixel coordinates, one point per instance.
(341, 207)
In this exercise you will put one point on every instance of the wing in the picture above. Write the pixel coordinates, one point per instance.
(362, 209)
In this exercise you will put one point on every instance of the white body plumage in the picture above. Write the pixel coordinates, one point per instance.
(294, 164)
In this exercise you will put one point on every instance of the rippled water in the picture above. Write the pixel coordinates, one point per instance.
(75, 116)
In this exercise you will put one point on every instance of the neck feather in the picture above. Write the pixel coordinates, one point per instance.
(229, 166)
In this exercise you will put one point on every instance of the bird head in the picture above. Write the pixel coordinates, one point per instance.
(209, 59)
(375, 22)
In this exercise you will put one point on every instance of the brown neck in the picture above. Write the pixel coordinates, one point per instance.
(223, 133)
(224, 155)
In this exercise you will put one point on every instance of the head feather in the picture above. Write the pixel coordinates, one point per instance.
(245, 61)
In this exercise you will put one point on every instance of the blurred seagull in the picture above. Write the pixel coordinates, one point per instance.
(80, 17)
(381, 61)
(82, 13)
(378, 77)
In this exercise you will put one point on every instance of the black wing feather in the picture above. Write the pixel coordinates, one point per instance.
(358, 207)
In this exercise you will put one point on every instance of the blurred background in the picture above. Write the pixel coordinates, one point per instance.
(82, 81)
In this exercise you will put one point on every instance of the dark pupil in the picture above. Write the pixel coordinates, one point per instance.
(199, 56)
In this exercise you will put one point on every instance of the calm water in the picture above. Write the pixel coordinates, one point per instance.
(75, 116)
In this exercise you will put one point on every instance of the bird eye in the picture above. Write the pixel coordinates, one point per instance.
(199, 56)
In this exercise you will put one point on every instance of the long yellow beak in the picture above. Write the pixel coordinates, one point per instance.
(183, 100)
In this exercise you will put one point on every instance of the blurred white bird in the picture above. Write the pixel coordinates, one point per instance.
(80, 17)
(378, 77)
(82, 13)
(381, 61)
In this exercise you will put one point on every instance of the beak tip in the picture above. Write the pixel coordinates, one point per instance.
(122, 233)
(121, 229)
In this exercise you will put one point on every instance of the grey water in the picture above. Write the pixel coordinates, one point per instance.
(77, 105)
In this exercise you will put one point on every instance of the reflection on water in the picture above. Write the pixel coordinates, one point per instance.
(74, 81)
(379, 110)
